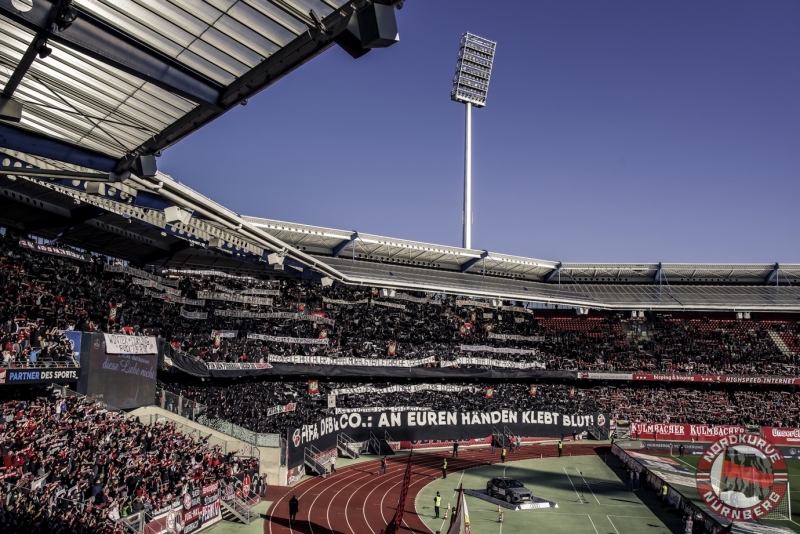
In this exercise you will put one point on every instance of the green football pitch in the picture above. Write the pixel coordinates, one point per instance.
(603, 505)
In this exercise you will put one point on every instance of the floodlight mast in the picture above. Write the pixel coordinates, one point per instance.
(471, 87)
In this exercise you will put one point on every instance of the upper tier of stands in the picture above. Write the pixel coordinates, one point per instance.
(42, 294)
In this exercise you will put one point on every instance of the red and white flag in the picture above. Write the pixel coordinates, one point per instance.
(460, 524)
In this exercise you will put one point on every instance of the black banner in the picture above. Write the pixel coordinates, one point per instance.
(440, 425)
(195, 367)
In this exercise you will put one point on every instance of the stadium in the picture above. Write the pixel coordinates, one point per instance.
(172, 366)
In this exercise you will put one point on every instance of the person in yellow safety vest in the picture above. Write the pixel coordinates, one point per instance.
(560, 446)
(664, 490)
(444, 468)
(437, 502)
(503, 455)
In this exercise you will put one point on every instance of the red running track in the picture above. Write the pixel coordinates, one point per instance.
(359, 500)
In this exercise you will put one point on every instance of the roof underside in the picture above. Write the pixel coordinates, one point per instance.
(132, 77)
(391, 252)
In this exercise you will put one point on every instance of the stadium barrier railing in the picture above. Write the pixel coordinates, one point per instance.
(197, 412)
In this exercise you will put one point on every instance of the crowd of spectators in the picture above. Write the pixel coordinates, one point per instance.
(246, 403)
(44, 294)
(71, 466)
(755, 407)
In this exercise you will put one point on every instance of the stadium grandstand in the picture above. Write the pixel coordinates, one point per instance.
(165, 359)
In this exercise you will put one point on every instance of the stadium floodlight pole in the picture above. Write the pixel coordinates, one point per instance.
(470, 87)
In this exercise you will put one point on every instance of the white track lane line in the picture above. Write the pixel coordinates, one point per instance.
(383, 517)
(344, 477)
(434, 470)
(328, 511)
(275, 506)
(363, 510)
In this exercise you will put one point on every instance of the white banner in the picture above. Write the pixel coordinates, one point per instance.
(229, 297)
(194, 315)
(497, 350)
(133, 271)
(240, 314)
(384, 409)
(274, 410)
(171, 299)
(401, 388)
(225, 333)
(156, 285)
(237, 366)
(326, 300)
(487, 316)
(220, 274)
(283, 339)
(123, 344)
(476, 303)
(365, 362)
(150, 293)
(299, 317)
(606, 376)
(388, 304)
(262, 292)
(489, 362)
(514, 337)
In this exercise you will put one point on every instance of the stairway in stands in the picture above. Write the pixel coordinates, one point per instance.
(779, 342)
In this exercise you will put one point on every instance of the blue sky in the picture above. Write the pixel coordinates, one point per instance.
(615, 131)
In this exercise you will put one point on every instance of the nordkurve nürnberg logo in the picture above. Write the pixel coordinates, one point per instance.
(742, 477)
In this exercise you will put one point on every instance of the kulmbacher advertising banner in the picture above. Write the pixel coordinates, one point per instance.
(439, 425)
(682, 431)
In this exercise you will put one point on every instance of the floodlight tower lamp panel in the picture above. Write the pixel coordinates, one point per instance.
(471, 87)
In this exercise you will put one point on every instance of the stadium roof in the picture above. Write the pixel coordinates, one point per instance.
(102, 82)
(163, 222)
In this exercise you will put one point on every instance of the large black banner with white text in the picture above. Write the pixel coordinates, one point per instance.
(439, 425)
